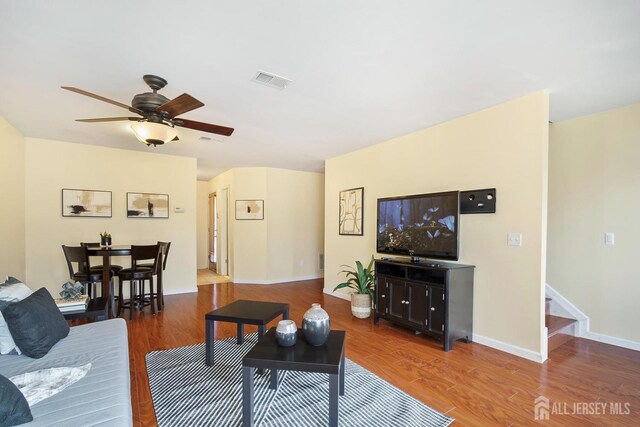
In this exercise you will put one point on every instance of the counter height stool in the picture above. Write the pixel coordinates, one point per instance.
(139, 273)
(78, 255)
(114, 268)
(160, 268)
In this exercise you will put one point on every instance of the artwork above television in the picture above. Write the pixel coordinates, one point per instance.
(423, 225)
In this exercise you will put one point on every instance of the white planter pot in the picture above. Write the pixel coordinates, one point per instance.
(361, 305)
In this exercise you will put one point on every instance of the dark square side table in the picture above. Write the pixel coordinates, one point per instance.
(241, 312)
(267, 354)
(96, 310)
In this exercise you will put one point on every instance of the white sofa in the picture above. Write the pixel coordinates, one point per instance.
(103, 396)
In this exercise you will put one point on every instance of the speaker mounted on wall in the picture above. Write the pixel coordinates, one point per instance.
(478, 201)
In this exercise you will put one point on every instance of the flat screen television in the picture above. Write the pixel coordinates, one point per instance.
(423, 225)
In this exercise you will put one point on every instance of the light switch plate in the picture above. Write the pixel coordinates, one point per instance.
(514, 239)
(610, 238)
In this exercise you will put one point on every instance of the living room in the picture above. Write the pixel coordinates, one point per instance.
(548, 119)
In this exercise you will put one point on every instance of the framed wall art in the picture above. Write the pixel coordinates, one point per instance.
(350, 213)
(147, 205)
(249, 209)
(86, 203)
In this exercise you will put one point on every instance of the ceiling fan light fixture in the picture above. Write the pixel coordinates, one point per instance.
(151, 133)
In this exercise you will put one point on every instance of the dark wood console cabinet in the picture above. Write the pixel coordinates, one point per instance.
(433, 298)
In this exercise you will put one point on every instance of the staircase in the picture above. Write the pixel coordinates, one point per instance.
(559, 329)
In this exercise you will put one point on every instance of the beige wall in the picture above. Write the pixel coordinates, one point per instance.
(594, 187)
(503, 147)
(295, 234)
(250, 260)
(53, 165)
(285, 245)
(12, 175)
(202, 224)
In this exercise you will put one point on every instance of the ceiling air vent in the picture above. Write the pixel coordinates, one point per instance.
(272, 80)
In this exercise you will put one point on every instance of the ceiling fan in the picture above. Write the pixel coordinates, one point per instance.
(158, 120)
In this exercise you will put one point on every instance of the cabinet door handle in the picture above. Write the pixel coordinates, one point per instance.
(433, 309)
(382, 296)
(402, 302)
(406, 302)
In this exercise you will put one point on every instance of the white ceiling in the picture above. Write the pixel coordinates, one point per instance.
(363, 71)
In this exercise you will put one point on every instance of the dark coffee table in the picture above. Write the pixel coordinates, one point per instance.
(267, 354)
(96, 310)
(242, 312)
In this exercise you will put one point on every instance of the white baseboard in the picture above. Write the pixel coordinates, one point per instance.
(509, 348)
(490, 342)
(280, 280)
(337, 294)
(180, 291)
(620, 342)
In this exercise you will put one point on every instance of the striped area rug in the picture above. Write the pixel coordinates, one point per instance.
(186, 392)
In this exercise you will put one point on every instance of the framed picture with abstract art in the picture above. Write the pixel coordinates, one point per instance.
(249, 209)
(350, 213)
(87, 203)
(147, 205)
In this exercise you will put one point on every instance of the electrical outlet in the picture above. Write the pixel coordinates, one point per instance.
(514, 239)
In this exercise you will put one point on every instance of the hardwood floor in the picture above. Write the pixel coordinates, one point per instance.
(476, 385)
(207, 277)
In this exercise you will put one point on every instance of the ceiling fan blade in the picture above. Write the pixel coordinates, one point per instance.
(109, 119)
(204, 127)
(102, 98)
(180, 105)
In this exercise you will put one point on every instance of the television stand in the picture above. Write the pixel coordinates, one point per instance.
(433, 298)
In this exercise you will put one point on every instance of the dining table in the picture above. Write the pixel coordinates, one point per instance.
(106, 252)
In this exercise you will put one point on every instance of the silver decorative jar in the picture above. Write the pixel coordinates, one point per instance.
(316, 325)
(286, 333)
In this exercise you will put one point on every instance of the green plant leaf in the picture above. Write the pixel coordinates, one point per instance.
(361, 279)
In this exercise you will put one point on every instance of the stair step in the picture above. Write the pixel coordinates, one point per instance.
(560, 330)
(556, 323)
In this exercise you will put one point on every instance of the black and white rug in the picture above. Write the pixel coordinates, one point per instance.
(186, 392)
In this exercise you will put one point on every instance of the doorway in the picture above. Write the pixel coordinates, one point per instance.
(218, 229)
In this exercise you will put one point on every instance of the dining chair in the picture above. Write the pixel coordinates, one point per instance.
(81, 273)
(162, 265)
(137, 275)
(114, 268)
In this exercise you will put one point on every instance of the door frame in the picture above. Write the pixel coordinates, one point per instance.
(212, 253)
(222, 249)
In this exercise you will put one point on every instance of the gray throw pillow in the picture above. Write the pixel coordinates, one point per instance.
(14, 409)
(12, 290)
(36, 323)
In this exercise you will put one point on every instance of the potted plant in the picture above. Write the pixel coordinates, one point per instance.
(105, 239)
(362, 281)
